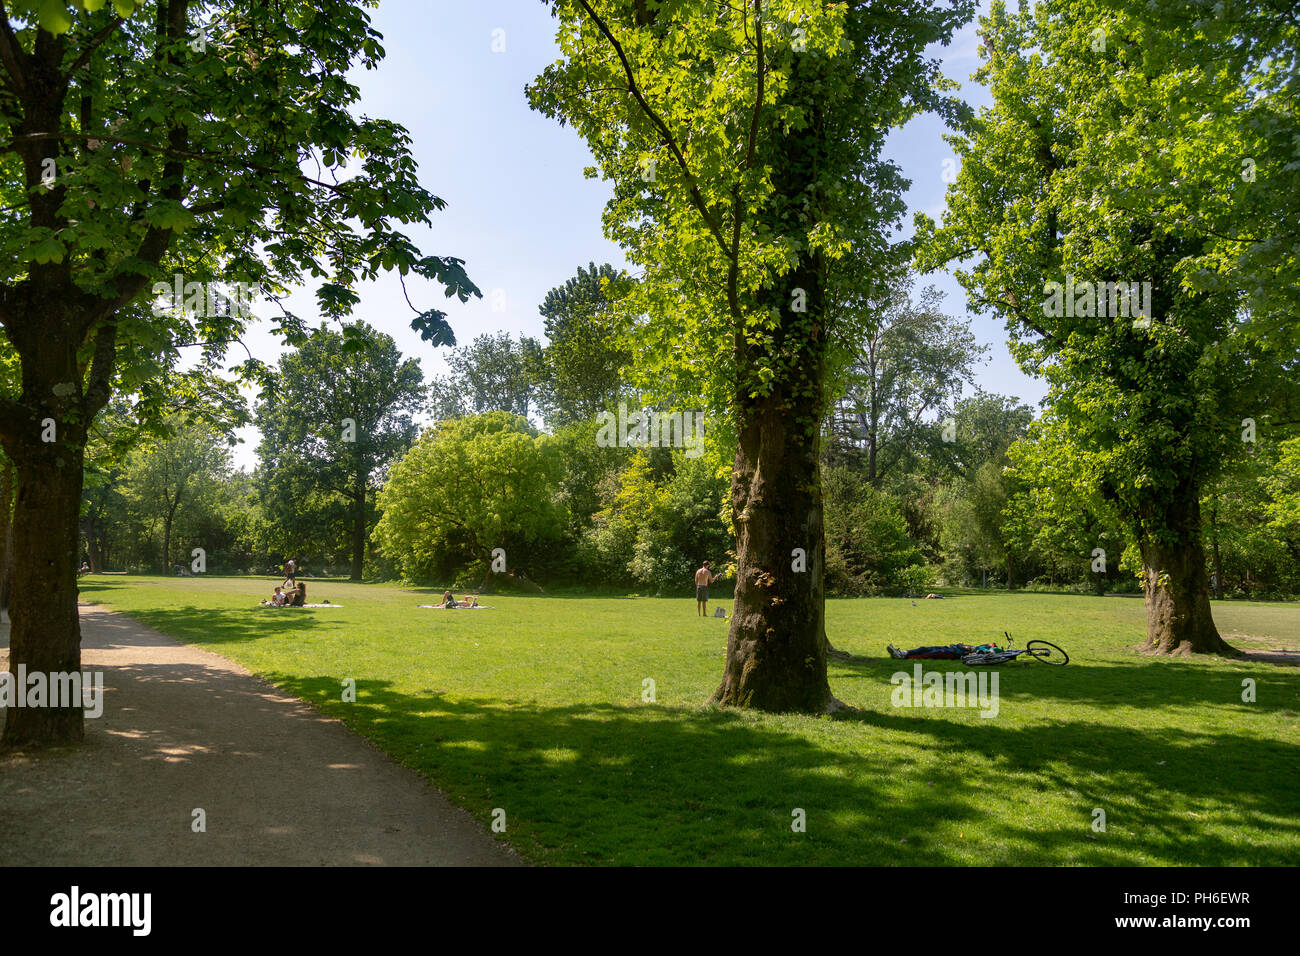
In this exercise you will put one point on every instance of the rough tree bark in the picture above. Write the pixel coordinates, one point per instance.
(7, 537)
(1175, 583)
(776, 648)
(45, 633)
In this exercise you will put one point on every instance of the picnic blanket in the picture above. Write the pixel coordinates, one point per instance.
(440, 607)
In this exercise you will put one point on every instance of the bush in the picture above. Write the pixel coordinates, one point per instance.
(867, 542)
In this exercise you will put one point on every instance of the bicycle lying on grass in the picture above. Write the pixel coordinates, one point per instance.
(1044, 651)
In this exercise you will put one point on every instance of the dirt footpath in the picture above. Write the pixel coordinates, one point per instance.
(184, 729)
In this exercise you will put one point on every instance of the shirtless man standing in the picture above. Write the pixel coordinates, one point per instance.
(703, 578)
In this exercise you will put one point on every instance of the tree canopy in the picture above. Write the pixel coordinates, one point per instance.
(208, 149)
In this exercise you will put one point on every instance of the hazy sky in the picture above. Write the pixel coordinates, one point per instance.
(519, 211)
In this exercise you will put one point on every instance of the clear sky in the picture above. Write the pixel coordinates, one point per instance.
(519, 211)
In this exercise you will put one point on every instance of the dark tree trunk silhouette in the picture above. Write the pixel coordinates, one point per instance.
(1179, 617)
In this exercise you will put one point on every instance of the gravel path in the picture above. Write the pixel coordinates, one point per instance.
(183, 729)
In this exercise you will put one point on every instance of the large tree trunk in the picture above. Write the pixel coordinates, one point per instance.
(1179, 617)
(45, 634)
(776, 649)
(1217, 583)
(7, 538)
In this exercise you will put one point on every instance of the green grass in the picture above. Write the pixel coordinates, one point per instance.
(536, 708)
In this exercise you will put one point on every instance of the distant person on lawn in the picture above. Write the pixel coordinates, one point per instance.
(290, 572)
(703, 578)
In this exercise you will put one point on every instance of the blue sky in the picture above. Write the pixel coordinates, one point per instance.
(519, 211)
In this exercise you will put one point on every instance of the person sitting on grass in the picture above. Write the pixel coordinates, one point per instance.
(448, 600)
(945, 652)
(295, 597)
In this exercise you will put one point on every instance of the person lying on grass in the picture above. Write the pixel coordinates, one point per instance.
(945, 652)
(449, 600)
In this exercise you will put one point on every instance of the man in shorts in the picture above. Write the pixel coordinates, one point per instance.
(703, 578)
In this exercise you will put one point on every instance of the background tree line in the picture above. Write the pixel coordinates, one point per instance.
(927, 481)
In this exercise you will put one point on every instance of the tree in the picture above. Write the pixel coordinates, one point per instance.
(867, 542)
(1282, 485)
(585, 356)
(468, 487)
(660, 520)
(912, 366)
(1051, 518)
(493, 373)
(983, 427)
(1091, 261)
(109, 442)
(340, 411)
(176, 473)
(161, 148)
(744, 146)
(1221, 153)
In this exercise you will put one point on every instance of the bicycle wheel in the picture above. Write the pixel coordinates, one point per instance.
(1047, 652)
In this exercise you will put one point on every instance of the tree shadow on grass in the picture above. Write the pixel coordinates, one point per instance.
(1153, 683)
(1230, 775)
(657, 785)
(203, 625)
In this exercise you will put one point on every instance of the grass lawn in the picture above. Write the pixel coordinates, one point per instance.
(536, 708)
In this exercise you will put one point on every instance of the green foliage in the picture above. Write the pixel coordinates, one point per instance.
(913, 363)
(494, 373)
(173, 487)
(586, 352)
(1063, 177)
(1283, 487)
(337, 412)
(150, 166)
(692, 112)
(868, 547)
(659, 523)
(466, 488)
